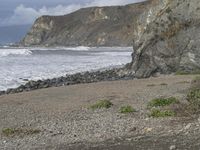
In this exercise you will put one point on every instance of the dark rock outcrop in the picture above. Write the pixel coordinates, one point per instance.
(95, 26)
(167, 38)
(78, 78)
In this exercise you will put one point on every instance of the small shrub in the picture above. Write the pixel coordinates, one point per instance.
(182, 72)
(102, 104)
(163, 84)
(8, 131)
(156, 113)
(161, 102)
(150, 85)
(18, 132)
(183, 82)
(126, 109)
(193, 97)
(195, 72)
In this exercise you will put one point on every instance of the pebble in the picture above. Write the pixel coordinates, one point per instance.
(148, 130)
(172, 147)
(188, 126)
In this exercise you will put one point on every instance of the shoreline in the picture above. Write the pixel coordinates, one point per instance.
(20, 82)
(106, 74)
(65, 121)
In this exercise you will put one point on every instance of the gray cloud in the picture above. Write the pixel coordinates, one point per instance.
(26, 15)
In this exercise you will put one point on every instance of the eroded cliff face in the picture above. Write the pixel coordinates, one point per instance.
(97, 26)
(167, 38)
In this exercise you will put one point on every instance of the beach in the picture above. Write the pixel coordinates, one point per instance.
(100, 75)
(61, 117)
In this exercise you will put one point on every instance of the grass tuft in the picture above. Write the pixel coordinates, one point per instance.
(163, 84)
(183, 82)
(161, 102)
(102, 104)
(9, 131)
(156, 113)
(18, 132)
(181, 72)
(193, 97)
(127, 109)
(150, 85)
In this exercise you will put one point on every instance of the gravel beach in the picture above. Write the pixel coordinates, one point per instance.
(63, 119)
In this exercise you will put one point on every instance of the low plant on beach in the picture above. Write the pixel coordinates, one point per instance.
(101, 104)
(193, 96)
(163, 84)
(156, 113)
(194, 72)
(161, 102)
(183, 82)
(19, 132)
(151, 85)
(127, 109)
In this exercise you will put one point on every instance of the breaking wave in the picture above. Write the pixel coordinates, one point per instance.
(8, 52)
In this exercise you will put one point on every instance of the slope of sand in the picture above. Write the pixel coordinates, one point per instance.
(65, 121)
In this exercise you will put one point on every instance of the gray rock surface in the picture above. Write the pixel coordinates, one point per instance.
(95, 26)
(167, 38)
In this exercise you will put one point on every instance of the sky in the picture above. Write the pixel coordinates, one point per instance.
(24, 12)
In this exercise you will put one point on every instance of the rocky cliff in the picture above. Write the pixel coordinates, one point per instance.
(96, 26)
(167, 38)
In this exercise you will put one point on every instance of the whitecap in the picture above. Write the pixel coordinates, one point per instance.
(79, 48)
(7, 52)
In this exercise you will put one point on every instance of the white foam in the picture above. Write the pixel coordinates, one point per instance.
(7, 52)
(79, 48)
(15, 67)
(116, 53)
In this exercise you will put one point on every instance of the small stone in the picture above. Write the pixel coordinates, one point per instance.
(133, 129)
(188, 126)
(172, 147)
(129, 139)
(148, 129)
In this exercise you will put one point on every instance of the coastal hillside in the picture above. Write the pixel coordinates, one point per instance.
(95, 26)
(166, 38)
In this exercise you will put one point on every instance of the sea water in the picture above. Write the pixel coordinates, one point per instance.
(18, 65)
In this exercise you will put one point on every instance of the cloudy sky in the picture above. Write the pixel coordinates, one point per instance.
(22, 12)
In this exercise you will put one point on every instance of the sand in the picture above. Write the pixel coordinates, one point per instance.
(65, 121)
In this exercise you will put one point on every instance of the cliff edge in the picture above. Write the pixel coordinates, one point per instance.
(167, 38)
(95, 26)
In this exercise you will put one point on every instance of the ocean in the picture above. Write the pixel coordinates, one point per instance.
(19, 65)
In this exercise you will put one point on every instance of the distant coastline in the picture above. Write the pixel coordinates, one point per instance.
(93, 26)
